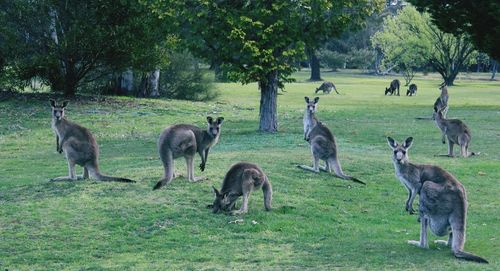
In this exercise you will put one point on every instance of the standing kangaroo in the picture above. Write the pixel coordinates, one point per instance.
(241, 179)
(326, 87)
(322, 142)
(442, 200)
(79, 147)
(393, 87)
(456, 131)
(441, 103)
(186, 140)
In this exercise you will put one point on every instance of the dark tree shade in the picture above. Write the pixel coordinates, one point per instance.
(478, 18)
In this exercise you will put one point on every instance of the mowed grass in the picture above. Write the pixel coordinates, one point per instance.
(318, 222)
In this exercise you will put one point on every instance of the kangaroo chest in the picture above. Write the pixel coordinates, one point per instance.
(403, 177)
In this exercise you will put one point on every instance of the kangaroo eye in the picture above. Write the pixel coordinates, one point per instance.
(404, 152)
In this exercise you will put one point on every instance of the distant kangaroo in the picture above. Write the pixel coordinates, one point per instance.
(326, 87)
(241, 179)
(393, 87)
(322, 142)
(442, 200)
(186, 140)
(79, 147)
(441, 103)
(456, 131)
(412, 90)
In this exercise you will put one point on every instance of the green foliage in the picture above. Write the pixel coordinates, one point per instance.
(318, 222)
(183, 79)
(332, 59)
(479, 19)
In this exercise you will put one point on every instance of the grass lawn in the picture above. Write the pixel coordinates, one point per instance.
(318, 222)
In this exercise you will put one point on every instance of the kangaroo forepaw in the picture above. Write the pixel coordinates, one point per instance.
(410, 210)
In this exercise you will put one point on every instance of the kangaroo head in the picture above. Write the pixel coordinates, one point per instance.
(58, 109)
(311, 106)
(400, 150)
(221, 201)
(214, 126)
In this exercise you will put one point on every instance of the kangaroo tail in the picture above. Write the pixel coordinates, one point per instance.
(338, 171)
(160, 183)
(469, 257)
(267, 189)
(96, 174)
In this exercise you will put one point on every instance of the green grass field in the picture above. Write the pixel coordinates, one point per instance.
(318, 222)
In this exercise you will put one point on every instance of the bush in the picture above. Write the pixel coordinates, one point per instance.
(332, 59)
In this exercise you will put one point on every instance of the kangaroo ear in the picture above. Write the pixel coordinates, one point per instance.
(52, 102)
(307, 99)
(220, 120)
(216, 192)
(408, 142)
(392, 143)
(210, 120)
(316, 99)
(64, 104)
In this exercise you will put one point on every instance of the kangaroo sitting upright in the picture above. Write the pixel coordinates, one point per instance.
(79, 147)
(442, 200)
(322, 142)
(456, 131)
(393, 87)
(412, 90)
(441, 103)
(241, 179)
(186, 140)
(326, 87)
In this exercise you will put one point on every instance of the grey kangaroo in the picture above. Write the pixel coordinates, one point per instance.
(326, 87)
(79, 147)
(393, 87)
(456, 131)
(184, 140)
(241, 179)
(322, 142)
(441, 103)
(442, 200)
(412, 90)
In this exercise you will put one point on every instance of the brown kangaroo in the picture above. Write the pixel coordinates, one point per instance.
(327, 88)
(441, 103)
(241, 179)
(79, 147)
(322, 142)
(456, 131)
(186, 140)
(442, 200)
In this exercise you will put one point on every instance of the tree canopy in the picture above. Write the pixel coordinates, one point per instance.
(480, 19)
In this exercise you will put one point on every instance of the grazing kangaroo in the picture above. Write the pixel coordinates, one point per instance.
(79, 147)
(441, 103)
(322, 142)
(241, 179)
(186, 140)
(393, 87)
(442, 200)
(326, 87)
(456, 131)
(412, 90)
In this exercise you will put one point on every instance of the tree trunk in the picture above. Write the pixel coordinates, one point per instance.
(493, 69)
(70, 80)
(315, 68)
(269, 103)
(123, 84)
(149, 84)
(154, 80)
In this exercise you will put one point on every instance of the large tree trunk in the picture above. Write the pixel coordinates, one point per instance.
(149, 84)
(493, 69)
(315, 67)
(70, 79)
(268, 103)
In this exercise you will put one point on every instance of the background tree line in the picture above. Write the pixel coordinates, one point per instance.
(153, 48)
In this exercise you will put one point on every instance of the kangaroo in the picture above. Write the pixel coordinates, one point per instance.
(310, 119)
(186, 140)
(441, 103)
(326, 87)
(442, 200)
(323, 145)
(241, 179)
(393, 87)
(412, 90)
(79, 147)
(456, 131)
